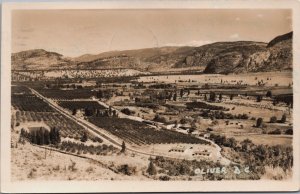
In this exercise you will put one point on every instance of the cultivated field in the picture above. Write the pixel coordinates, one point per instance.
(153, 127)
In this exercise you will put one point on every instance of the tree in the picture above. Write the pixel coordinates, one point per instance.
(46, 137)
(258, 98)
(273, 119)
(33, 137)
(151, 170)
(74, 111)
(114, 112)
(212, 96)
(205, 97)
(269, 94)
(259, 122)
(181, 93)
(289, 131)
(175, 96)
(246, 144)
(41, 136)
(232, 142)
(54, 136)
(84, 137)
(123, 148)
(220, 97)
(283, 118)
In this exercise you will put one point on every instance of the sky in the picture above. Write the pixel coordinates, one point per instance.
(77, 32)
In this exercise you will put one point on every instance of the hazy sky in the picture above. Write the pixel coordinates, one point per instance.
(77, 32)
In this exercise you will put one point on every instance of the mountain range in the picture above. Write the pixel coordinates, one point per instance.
(219, 57)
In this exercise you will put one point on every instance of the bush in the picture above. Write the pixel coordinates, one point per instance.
(269, 94)
(127, 111)
(164, 178)
(125, 169)
(289, 132)
(259, 122)
(258, 98)
(84, 137)
(151, 170)
(123, 147)
(209, 129)
(275, 132)
(273, 119)
(283, 118)
(212, 96)
(160, 119)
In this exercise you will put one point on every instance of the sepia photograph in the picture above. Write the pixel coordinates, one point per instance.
(150, 95)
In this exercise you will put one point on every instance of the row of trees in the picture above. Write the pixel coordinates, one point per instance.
(41, 136)
(273, 119)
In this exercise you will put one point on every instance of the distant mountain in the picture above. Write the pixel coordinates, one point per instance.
(149, 59)
(219, 57)
(276, 55)
(222, 57)
(38, 59)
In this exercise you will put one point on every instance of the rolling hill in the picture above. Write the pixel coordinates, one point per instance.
(219, 57)
(39, 59)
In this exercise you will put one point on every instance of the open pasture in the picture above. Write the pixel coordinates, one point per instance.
(269, 78)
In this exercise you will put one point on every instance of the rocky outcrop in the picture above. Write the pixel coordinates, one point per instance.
(219, 57)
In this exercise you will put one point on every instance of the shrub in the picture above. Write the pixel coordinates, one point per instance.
(283, 118)
(209, 129)
(258, 98)
(84, 137)
(72, 166)
(123, 147)
(289, 132)
(89, 169)
(127, 111)
(151, 170)
(212, 96)
(275, 132)
(259, 122)
(164, 178)
(158, 118)
(125, 169)
(273, 119)
(269, 94)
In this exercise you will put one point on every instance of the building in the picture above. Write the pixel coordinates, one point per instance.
(202, 153)
(177, 149)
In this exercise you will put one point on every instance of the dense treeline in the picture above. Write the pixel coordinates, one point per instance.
(203, 105)
(258, 155)
(42, 136)
(222, 115)
(80, 148)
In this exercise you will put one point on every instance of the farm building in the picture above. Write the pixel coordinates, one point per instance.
(177, 149)
(206, 135)
(202, 153)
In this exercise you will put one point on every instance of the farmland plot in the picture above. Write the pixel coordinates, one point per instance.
(31, 109)
(140, 133)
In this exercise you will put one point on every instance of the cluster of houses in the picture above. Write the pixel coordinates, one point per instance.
(182, 149)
